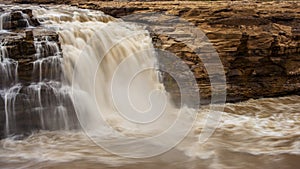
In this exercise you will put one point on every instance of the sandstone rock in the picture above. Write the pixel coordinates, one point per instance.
(242, 49)
(235, 72)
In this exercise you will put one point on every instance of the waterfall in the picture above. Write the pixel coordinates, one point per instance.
(8, 67)
(86, 37)
(26, 18)
(49, 105)
(107, 73)
(116, 92)
(39, 102)
(4, 18)
(48, 58)
(102, 77)
(10, 112)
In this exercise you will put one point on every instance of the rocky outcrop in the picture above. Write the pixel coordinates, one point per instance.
(18, 18)
(29, 48)
(32, 95)
(257, 42)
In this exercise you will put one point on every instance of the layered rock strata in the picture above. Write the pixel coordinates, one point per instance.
(32, 95)
(257, 42)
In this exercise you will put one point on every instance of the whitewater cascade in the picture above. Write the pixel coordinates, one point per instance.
(116, 91)
(110, 72)
(39, 102)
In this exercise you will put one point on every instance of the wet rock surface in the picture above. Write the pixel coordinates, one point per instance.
(18, 18)
(32, 96)
(22, 48)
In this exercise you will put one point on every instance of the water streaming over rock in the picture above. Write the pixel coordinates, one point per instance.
(100, 60)
(10, 97)
(4, 18)
(48, 59)
(251, 133)
(34, 95)
(8, 68)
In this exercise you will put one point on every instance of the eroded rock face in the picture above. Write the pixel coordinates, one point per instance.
(32, 95)
(27, 48)
(257, 42)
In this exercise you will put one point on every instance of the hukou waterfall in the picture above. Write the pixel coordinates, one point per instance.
(67, 102)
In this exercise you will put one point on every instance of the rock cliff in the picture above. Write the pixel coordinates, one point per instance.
(257, 42)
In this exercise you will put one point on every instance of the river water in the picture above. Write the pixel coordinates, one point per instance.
(262, 133)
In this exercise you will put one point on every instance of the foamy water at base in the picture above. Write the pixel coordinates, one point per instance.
(263, 133)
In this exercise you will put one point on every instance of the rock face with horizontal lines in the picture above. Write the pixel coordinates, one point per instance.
(258, 43)
(31, 89)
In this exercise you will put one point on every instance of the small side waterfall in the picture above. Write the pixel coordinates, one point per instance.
(33, 93)
(8, 68)
(4, 18)
(10, 97)
(48, 59)
(50, 105)
(17, 18)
